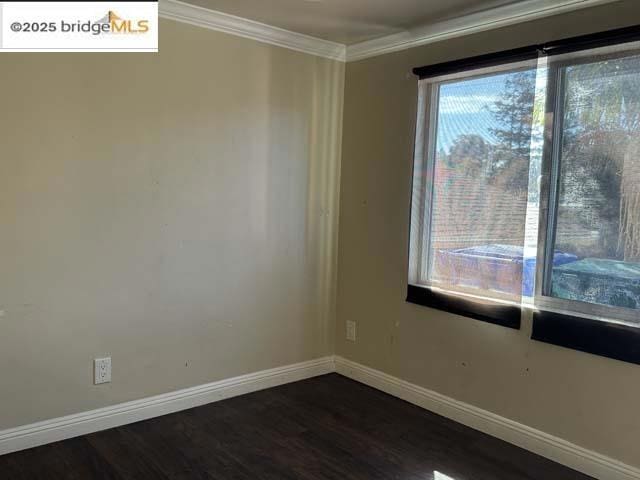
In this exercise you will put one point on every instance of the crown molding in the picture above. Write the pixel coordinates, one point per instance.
(242, 27)
(524, 11)
(465, 25)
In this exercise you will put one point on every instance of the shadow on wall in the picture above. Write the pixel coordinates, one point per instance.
(311, 254)
(176, 211)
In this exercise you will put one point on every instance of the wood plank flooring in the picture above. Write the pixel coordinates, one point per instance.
(327, 427)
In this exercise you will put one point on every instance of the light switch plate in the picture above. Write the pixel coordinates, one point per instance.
(102, 370)
(351, 331)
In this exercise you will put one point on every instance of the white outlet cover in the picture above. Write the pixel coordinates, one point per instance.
(102, 370)
(351, 331)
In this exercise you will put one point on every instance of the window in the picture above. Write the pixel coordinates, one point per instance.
(526, 191)
(597, 209)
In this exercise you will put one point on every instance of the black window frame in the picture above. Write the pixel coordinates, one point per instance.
(587, 327)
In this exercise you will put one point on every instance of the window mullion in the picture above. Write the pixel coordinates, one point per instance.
(549, 180)
(430, 154)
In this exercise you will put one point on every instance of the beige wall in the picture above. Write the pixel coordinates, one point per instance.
(177, 211)
(589, 400)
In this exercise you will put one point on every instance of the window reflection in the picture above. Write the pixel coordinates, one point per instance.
(598, 217)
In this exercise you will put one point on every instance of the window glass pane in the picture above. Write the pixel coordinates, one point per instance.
(481, 170)
(598, 215)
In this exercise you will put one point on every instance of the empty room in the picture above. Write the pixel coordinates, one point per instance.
(320, 240)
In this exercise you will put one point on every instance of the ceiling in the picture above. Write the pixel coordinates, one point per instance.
(349, 21)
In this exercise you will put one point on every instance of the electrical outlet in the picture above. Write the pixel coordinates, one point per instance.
(102, 370)
(351, 331)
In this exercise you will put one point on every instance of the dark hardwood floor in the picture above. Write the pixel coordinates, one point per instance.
(325, 428)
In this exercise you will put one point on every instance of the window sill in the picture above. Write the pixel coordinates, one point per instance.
(607, 339)
(497, 313)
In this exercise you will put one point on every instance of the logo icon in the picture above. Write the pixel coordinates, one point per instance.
(119, 25)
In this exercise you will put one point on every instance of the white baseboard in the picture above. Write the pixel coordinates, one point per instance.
(56, 429)
(543, 444)
(553, 448)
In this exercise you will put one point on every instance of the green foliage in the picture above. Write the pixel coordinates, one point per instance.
(514, 111)
(600, 156)
(469, 154)
(505, 164)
